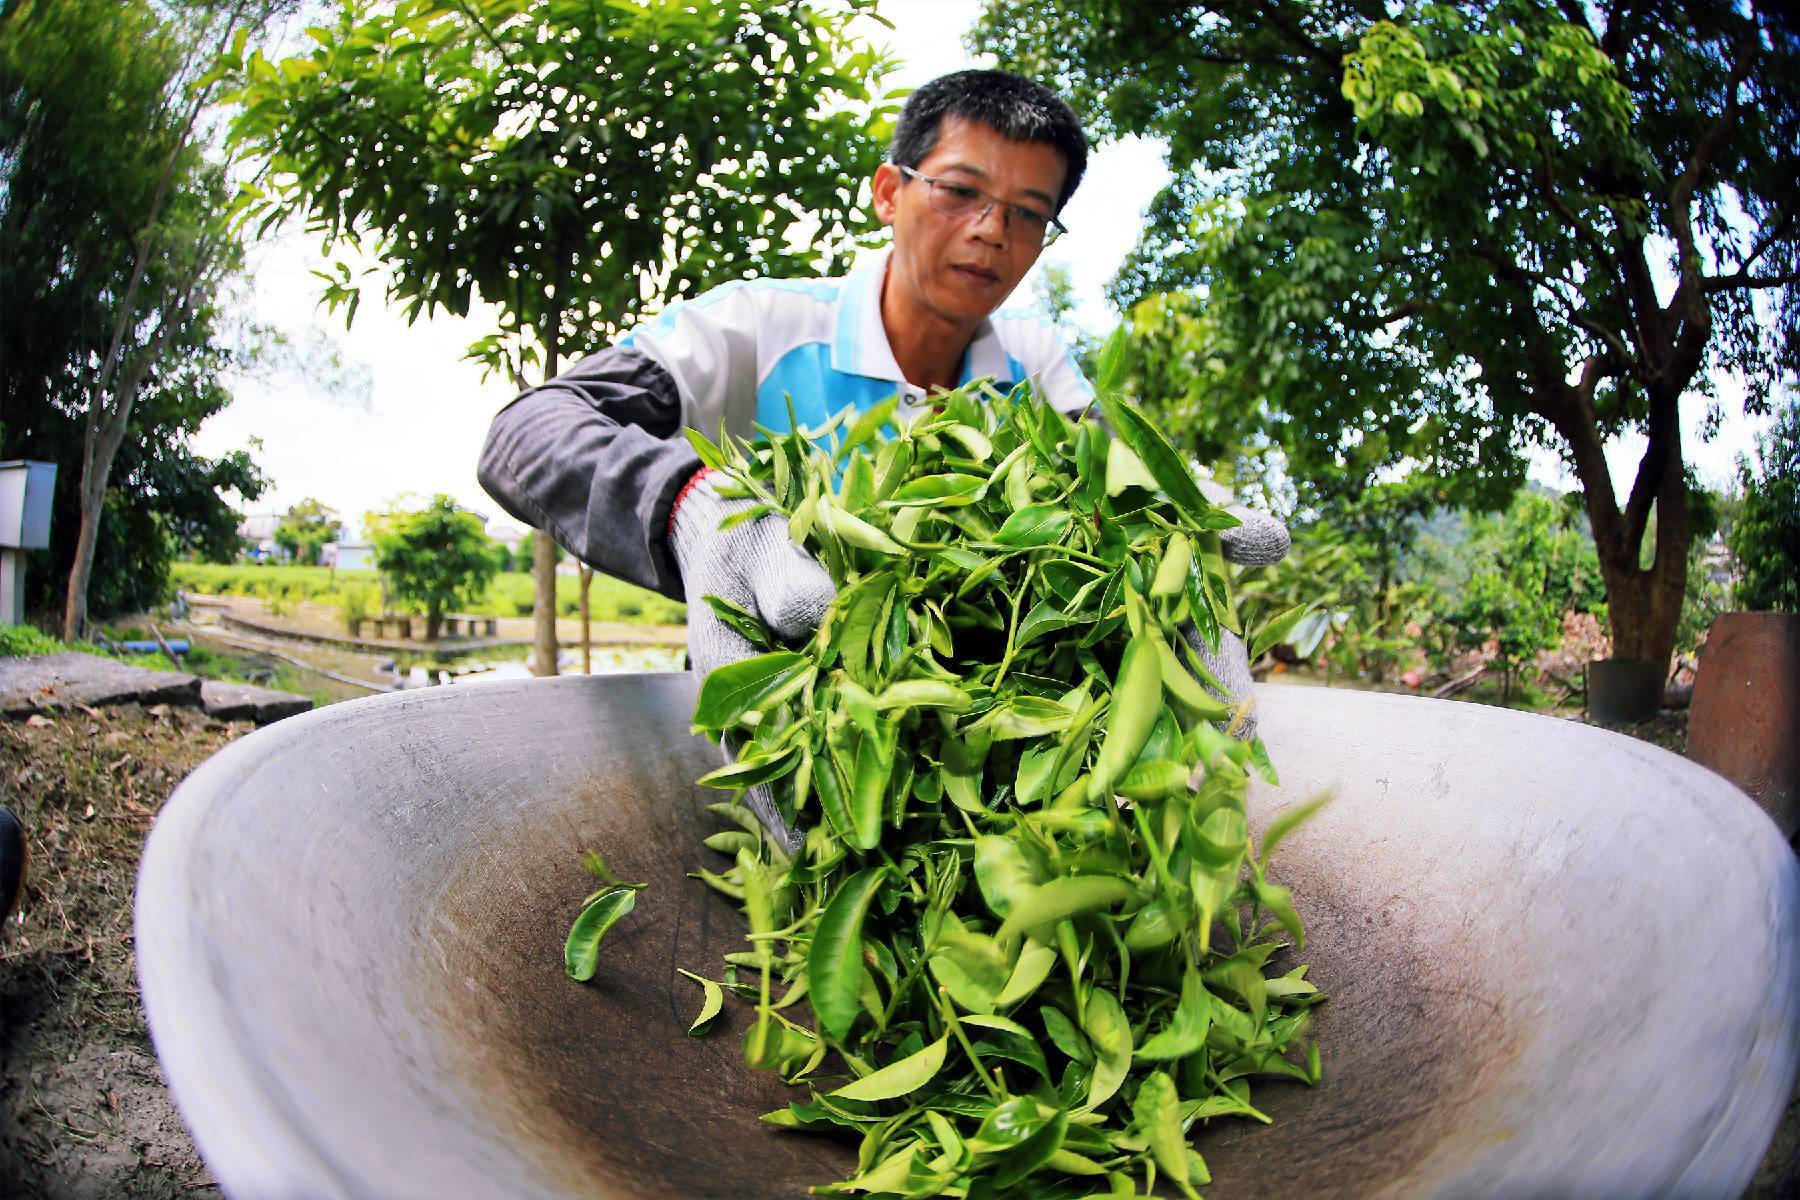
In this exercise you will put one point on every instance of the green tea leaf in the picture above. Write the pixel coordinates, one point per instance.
(751, 684)
(1288, 820)
(1157, 1111)
(581, 950)
(1002, 873)
(1109, 1031)
(747, 626)
(834, 966)
(1171, 471)
(753, 769)
(900, 1078)
(1186, 1031)
(1036, 525)
(1059, 899)
(1275, 629)
(854, 531)
(710, 1007)
(973, 440)
(1124, 469)
(1109, 370)
(1136, 705)
(1033, 967)
(1065, 1037)
(938, 491)
(923, 693)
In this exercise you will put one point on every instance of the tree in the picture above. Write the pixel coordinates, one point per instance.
(305, 528)
(1765, 538)
(1422, 237)
(1518, 589)
(109, 214)
(439, 558)
(574, 164)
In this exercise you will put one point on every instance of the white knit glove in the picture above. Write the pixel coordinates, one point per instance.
(1259, 541)
(756, 566)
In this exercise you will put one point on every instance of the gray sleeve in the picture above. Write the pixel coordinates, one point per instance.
(595, 458)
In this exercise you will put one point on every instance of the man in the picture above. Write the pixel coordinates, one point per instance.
(981, 164)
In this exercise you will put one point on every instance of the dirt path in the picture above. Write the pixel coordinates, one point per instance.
(84, 1111)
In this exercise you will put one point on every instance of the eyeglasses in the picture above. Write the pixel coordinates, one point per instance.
(959, 200)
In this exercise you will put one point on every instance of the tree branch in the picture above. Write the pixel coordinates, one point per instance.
(1724, 283)
(1614, 344)
(1705, 151)
(1768, 239)
(1575, 14)
(1297, 36)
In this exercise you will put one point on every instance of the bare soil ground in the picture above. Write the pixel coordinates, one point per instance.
(84, 1111)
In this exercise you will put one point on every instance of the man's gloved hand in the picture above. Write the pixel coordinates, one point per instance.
(1259, 541)
(756, 566)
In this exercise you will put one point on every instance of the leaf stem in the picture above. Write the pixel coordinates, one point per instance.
(948, 1008)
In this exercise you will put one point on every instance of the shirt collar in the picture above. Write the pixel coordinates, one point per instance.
(860, 345)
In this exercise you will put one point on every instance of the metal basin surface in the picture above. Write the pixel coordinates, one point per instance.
(1561, 962)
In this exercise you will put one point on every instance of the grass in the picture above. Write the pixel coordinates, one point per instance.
(511, 594)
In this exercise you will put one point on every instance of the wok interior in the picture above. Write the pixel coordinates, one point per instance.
(392, 890)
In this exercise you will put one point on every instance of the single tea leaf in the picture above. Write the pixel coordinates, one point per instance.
(581, 952)
(900, 1078)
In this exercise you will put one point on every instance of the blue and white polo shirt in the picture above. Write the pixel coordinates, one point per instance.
(596, 456)
(741, 350)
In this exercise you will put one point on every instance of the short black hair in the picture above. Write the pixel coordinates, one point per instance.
(1019, 109)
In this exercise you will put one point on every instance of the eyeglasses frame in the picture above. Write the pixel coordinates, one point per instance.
(1053, 228)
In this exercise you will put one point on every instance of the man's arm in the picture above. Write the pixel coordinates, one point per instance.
(595, 458)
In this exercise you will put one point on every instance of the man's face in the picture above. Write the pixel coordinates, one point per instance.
(960, 269)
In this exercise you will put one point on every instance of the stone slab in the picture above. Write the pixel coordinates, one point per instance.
(29, 685)
(245, 702)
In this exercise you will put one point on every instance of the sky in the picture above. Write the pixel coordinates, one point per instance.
(417, 427)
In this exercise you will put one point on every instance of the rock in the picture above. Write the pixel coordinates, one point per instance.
(243, 702)
(52, 681)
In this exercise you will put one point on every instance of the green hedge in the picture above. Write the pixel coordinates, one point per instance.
(510, 595)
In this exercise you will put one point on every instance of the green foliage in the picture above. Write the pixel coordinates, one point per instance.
(438, 559)
(23, 641)
(1526, 572)
(1420, 237)
(1765, 540)
(264, 580)
(357, 601)
(305, 528)
(1030, 980)
(567, 161)
(91, 95)
(509, 594)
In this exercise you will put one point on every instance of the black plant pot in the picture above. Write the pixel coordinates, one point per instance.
(1623, 691)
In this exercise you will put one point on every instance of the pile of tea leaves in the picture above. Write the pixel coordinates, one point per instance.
(1028, 917)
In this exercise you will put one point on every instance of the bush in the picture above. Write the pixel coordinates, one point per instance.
(511, 593)
(357, 600)
(1765, 541)
(22, 641)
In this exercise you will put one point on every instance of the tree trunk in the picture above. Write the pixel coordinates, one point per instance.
(543, 574)
(587, 637)
(1644, 604)
(543, 567)
(75, 610)
(434, 622)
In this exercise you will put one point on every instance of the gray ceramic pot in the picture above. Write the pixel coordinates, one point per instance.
(1561, 962)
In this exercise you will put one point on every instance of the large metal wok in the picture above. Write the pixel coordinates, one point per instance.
(1562, 962)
